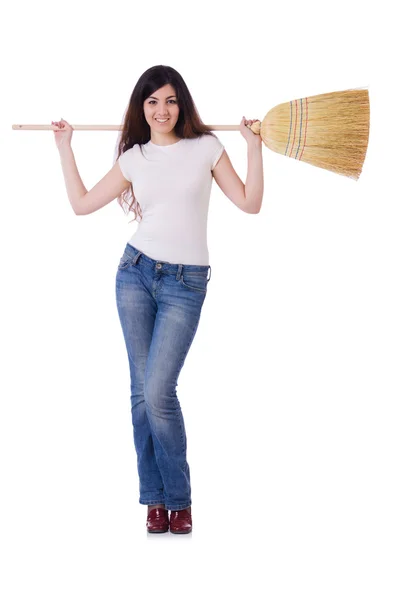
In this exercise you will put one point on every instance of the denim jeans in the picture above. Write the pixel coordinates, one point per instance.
(159, 305)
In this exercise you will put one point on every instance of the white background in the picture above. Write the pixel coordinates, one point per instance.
(289, 390)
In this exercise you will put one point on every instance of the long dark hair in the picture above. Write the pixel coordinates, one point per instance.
(135, 129)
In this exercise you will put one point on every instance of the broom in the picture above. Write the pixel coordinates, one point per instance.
(329, 131)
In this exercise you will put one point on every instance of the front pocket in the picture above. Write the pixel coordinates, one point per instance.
(194, 281)
(125, 261)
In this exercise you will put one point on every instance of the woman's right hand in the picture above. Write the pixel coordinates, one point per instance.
(63, 132)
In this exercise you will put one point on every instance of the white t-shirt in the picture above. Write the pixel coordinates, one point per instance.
(173, 185)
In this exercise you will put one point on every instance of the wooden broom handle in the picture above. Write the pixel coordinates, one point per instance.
(112, 127)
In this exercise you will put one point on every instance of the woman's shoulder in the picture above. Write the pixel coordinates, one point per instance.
(209, 140)
(129, 150)
(209, 149)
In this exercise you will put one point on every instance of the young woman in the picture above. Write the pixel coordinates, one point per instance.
(166, 160)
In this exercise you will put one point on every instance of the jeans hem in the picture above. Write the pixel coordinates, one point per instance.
(167, 506)
(177, 507)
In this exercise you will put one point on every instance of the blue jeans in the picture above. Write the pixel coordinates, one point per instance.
(159, 305)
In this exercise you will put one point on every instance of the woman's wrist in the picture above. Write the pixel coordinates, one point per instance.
(64, 149)
(255, 143)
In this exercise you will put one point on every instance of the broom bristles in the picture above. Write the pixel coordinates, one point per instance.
(329, 131)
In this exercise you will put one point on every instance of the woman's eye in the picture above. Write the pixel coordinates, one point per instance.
(174, 101)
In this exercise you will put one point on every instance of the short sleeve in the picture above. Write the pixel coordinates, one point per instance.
(124, 161)
(216, 149)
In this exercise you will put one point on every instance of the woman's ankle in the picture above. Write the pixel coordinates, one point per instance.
(156, 506)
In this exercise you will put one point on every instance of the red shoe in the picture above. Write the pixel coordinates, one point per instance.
(157, 520)
(181, 521)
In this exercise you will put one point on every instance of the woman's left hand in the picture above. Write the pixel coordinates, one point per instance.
(250, 136)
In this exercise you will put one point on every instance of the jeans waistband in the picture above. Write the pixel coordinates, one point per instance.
(177, 268)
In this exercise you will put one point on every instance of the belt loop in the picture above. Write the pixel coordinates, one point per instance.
(135, 259)
(179, 272)
(209, 266)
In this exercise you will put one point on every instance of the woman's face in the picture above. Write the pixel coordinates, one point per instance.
(162, 105)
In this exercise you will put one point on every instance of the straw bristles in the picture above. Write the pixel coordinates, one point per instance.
(329, 131)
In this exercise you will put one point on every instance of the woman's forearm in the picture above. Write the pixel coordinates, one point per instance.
(254, 183)
(74, 185)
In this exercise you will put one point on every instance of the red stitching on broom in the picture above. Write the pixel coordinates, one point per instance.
(296, 119)
(304, 143)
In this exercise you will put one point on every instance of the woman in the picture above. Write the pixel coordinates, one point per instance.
(166, 160)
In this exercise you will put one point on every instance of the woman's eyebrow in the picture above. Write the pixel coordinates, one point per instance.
(166, 98)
